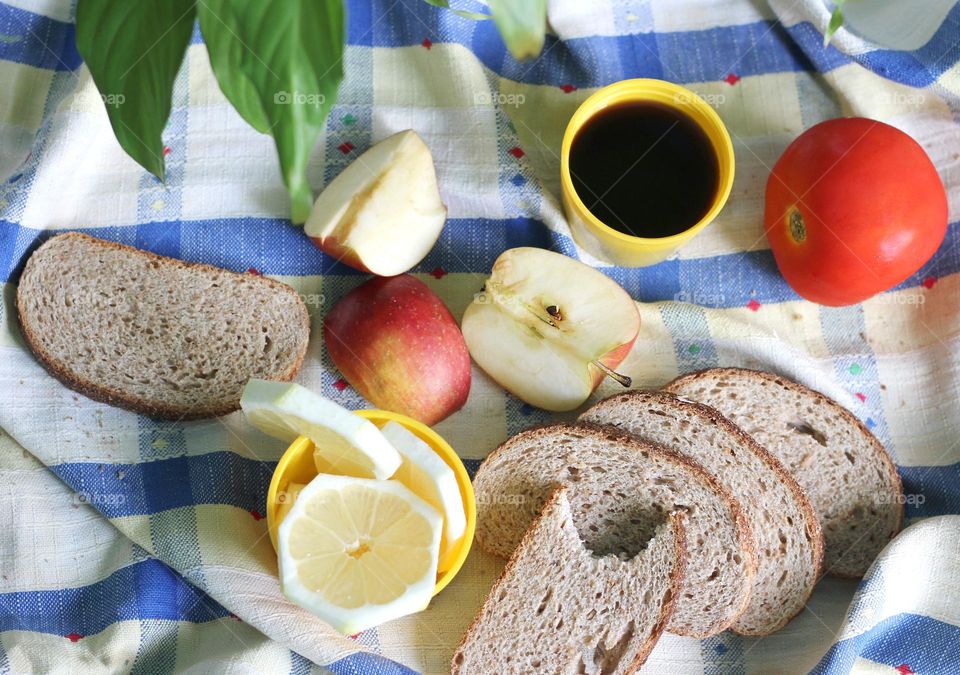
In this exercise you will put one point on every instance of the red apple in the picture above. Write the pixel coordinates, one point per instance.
(398, 345)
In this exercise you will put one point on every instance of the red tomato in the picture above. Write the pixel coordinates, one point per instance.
(854, 207)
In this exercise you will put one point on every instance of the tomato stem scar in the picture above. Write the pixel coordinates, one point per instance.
(798, 229)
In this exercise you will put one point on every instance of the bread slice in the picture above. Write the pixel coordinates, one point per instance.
(620, 490)
(785, 526)
(155, 335)
(846, 472)
(557, 608)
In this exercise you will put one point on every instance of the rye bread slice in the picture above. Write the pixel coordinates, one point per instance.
(785, 525)
(155, 335)
(846, 472)
(557, 608)
(620, 489)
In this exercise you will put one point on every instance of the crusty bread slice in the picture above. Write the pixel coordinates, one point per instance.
(785, 526)
(557, 608)
(847, 474)
(155, 335)
(620, 489)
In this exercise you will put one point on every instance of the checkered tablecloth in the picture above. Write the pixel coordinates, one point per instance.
(131, 545)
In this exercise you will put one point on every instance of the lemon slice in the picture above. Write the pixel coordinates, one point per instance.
(429, 477)
(346, 444)
(358, 552)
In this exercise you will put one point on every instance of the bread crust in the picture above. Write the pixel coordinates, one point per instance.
(676, 583)
(120, 399)
(677, 576)
(880, 451)
(811, 520)
(741, 524)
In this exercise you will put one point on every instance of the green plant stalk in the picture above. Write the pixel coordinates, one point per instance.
(836, 20)
(522, 23)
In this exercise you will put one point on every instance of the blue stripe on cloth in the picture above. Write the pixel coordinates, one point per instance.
(8, 247)
(931, 490)
(684, 56)
(520, 416)
(300, 665)
(147, 589)
(723, 654)
(119, 490)
(844, 330)
(592, 61)
(37, 40)
(924, 644)
(364, 663)
(157, 651)
(692, 342)
(472, 465)
(238, 244)
(241, 243)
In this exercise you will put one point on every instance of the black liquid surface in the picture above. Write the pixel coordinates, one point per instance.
(644, 169)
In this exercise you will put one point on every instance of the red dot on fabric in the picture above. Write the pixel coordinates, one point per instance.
(861, 396)
(74, 637)
(517, 152)
(438, 273)
(256, 515)
(345, 147)
(426, 43)
(567, 88)
(929, 282)
(340, 384)
(255, 272)
(753, 305)
(732, 79)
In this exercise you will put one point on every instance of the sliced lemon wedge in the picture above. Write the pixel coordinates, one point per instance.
(358, 552)
(429, 477)
(346, 444)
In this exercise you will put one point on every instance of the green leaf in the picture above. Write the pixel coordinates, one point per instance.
(476, 16)
(279, 62)
(133, 51)
(522, 24)
(836, 20)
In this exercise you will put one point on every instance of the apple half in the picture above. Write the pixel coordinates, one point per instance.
(549, 328)
(383, 213)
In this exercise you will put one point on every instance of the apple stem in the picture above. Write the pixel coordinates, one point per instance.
(625, 380)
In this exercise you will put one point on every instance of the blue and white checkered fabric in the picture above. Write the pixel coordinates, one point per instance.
(131, 545)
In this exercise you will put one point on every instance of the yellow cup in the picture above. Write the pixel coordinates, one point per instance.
(296, 466)
(607, 243)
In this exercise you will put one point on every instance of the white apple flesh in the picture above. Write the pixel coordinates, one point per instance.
(383, 213)
(549, 328)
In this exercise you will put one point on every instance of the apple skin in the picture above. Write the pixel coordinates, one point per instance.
(611, 360)
(335, 249)
(398, 345)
